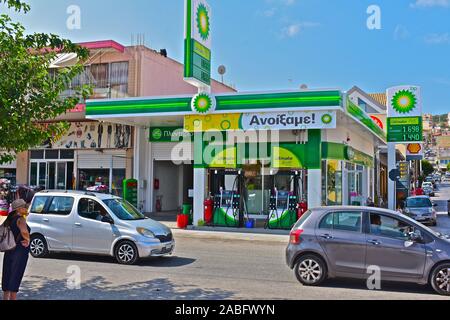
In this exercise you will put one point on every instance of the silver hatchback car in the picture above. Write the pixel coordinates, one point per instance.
(345, 242)
(94, 223)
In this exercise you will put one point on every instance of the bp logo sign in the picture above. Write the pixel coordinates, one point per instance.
(203, 103)
(203, 21)
(404, 101)
(327, 119)
(157, 134)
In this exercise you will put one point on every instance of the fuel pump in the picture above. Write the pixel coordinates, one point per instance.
(227, 202)
(284, 204)
(283, 214)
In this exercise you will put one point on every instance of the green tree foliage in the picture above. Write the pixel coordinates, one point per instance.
(29, 93)
(427, 168)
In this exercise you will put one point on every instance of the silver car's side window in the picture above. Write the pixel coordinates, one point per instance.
(38, 205)
(91, 209)
(61, 206)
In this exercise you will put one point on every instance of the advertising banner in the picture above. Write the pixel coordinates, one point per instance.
(295, 120)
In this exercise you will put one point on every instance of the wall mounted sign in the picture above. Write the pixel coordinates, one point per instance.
(169, 134)
(294, 120)
(93, 135)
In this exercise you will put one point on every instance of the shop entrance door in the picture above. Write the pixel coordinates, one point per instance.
(57, 175)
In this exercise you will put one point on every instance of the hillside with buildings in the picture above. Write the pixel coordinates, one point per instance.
(437, 139)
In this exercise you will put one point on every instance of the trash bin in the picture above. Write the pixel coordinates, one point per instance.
(182, 221)
(187, 210)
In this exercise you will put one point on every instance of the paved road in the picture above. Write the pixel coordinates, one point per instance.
(203, 269)
(441, 199)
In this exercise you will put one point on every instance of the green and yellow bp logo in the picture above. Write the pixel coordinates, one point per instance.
(203, 103)
(203, 23)
(404, 101)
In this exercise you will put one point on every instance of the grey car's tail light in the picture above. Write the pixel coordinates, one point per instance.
(294, 236)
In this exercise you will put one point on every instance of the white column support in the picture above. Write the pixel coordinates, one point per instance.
(136, 155)
(365, 184)
(344, 184)
(314, 188)
(392, 164)
(199, 194)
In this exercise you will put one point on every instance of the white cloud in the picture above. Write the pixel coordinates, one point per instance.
(435, 38)
(294, 29)
(401, 33)
(431, 3)
(270, 12)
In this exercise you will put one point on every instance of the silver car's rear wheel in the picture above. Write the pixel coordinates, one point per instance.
(126, 253)
(38, 247)
(440, 279)
(310, 270)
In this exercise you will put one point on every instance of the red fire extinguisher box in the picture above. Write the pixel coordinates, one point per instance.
(208, 214)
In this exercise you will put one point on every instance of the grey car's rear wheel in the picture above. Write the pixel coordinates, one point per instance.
(38, 246)
(310, 270)
(440, 279)
(126, 253)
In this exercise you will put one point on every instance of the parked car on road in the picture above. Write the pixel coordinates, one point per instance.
(94, 223)
(333, 242)
(428, 189)
(421, 209)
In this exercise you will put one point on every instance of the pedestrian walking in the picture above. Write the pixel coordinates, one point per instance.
(15, 261)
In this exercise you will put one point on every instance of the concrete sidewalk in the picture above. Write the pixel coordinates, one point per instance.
(222, 233)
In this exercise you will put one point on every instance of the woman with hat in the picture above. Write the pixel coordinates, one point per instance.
(15, 261)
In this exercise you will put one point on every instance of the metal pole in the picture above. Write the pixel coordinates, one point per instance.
(111, 174)
(392, 164)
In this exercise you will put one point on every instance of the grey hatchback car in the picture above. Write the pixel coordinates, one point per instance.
(335, 242)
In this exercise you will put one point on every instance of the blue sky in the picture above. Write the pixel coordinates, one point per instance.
(281, 44)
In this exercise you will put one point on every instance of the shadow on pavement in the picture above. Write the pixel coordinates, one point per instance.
(385, 286)
(166, 262)
(97, 288)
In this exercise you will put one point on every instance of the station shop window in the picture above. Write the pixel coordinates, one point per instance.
(92, 177)
(331, 182)
(88, 178)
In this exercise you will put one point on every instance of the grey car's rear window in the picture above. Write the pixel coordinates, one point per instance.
(305, 217)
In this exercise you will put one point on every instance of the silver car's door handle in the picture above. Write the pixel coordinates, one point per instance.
(327, 236)
(46, 220)
(78, 225)
(374, 242)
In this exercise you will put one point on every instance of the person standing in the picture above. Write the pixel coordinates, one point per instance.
(15, 261)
